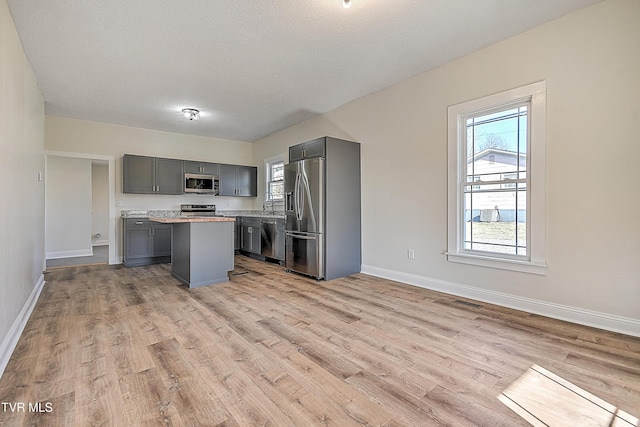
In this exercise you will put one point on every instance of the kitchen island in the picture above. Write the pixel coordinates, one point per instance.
(202, 249)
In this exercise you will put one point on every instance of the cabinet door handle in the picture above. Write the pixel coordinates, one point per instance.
(139, 222)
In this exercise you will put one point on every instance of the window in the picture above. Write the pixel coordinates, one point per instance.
(275, 180)
(497, 180)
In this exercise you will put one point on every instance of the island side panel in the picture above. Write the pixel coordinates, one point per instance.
(212, 252)
(181, 251)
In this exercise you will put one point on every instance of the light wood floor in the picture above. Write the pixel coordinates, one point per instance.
(109, 346)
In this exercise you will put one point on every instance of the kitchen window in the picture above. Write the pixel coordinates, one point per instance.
(274, 180)
(496, 204)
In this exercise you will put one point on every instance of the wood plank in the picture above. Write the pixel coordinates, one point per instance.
(108, 345)
(145, 399)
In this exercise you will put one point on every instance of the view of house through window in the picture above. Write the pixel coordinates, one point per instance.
(495, 186)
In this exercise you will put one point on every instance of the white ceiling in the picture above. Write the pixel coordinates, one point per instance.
(252, 67)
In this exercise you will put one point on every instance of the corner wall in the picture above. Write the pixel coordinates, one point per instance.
(591, 62)
(21, 194)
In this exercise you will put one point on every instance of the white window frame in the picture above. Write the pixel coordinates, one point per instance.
(535, 261)
(268, 201)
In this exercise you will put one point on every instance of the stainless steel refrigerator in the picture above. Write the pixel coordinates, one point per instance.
(322, 207)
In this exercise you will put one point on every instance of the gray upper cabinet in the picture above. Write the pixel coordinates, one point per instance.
(138, 174)
(201, 167)
(169, 176)
(151, 175)
(155, 175)
(307, 150)
(236, 180)
(247, 180)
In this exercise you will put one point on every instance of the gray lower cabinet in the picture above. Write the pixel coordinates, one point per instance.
(146, 242)
(202, 252)
(250, 235)
(151, 175)
(237, 180)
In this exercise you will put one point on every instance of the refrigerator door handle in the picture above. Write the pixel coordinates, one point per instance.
(295, 196)
(298, 198)
(306, 191)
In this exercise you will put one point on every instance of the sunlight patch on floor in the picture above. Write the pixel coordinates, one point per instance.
(545, 399)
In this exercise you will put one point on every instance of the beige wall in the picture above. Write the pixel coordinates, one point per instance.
(101, 139)
(21, 194)
(591, 62)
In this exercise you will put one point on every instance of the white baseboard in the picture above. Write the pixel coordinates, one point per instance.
(609, 322)
(69, 254)
(11, 339)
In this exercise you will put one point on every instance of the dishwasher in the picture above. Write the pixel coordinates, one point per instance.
(267, 238)
(272, 238)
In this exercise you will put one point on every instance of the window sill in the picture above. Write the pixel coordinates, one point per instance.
(502, 264)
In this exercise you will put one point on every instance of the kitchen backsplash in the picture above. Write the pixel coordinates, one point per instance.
(176, 213)
(150, 213)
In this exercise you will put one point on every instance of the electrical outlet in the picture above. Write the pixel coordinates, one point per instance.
(119, 203)
(411, 254)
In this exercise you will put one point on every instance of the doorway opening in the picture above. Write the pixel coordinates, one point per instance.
(79, 210)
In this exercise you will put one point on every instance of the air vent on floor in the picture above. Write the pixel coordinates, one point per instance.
(240, 273)
(470, 304)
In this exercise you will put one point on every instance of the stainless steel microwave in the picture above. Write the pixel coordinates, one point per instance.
(203, 184)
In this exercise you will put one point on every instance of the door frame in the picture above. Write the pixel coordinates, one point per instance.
(111, 163)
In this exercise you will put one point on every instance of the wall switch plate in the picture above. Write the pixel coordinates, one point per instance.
(119, 203)
(39, 176)
(411, 254)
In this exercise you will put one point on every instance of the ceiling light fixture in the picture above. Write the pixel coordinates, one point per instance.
(346, 4)
(191, 113)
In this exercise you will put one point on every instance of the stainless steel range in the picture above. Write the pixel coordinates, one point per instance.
(198, 210)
